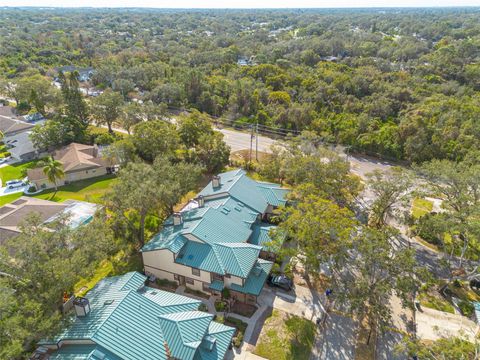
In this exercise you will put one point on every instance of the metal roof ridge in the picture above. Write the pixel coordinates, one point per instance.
(128, 292)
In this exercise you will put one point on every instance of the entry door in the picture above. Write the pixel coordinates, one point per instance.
(181, 280)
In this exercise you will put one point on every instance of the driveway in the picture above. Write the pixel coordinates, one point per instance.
(6, 191)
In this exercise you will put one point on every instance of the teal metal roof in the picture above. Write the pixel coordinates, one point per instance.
(273, 195)
(215, 226)
(256, 279)
(237, 258)
(217, 285)
(83, 352)
(200, 256)
(184, 332)
(235, 210)
(125, 320)
(237, 184)
(261, 235)
(223, 337)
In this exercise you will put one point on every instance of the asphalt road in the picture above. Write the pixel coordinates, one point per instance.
(336, 341)
(238, 140)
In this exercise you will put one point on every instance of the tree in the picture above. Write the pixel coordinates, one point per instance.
(192, 126)
(106, 108)
(389, 190)
(76, 108)
(144, 190)
(212, 152)
(53, 169)
(448, 348)
(458, 184)
(376, 270)
(321, 230)
(131, 115)
(37, 267)
(52, 134)
(153, 138)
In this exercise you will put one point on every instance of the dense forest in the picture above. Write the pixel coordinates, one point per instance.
(402, 83)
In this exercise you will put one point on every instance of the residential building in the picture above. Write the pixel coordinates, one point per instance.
(14, 214)
(122, 319)
(79, 162)
(220, 239)
(16, 135)
(84, 74)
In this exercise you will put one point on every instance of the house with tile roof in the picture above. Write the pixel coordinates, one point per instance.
(220, 239)
(12, 215)
(122, 319)
(79, 162)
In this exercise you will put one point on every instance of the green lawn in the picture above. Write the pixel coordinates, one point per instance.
(433, 300)
(421, 207)
(286, 337)
(9, 198)
(91, 190)
(16, 171)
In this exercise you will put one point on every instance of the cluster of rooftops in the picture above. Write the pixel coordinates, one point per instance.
(222, 231)
(124, 319)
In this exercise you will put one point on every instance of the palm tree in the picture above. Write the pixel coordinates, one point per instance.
(53, 169)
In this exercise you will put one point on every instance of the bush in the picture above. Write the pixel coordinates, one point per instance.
(203, 307)
(466, 307)
(23, 107)
(32, 188)
(225, 293)
(220, 306)
(237, 340)
(105, 139)
(166, 283)
(425, 229)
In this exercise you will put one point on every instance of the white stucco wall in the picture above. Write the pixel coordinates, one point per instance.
(161, 264)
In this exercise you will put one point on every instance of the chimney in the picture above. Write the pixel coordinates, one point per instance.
(82, 306)
(177, 219)
(200, 201)
(216, 182)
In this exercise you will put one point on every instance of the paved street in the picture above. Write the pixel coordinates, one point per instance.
(336, 341)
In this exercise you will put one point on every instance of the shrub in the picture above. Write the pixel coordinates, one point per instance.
(203, 307)
(105, 139)
(237, 340)
(32, 188)
(466, 308)
(166, 283)
(219, 306)
(225, 293)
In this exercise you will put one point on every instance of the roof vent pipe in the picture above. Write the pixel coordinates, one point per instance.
(177, 219)
(216, 182)
(200, 201)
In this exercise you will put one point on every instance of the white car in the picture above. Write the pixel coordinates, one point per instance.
(12, 184)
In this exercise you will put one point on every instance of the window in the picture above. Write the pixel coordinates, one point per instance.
(216, 277)
(227, 276)
(195, 272)
(190, 281)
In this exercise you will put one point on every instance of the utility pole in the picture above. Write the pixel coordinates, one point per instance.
(251, 145)
(256, 142)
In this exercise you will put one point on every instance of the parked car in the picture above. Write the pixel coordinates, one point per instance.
(12, 184)
(3, 160)
(280, 281)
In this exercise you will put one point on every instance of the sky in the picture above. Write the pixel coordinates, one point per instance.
(240, 3)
